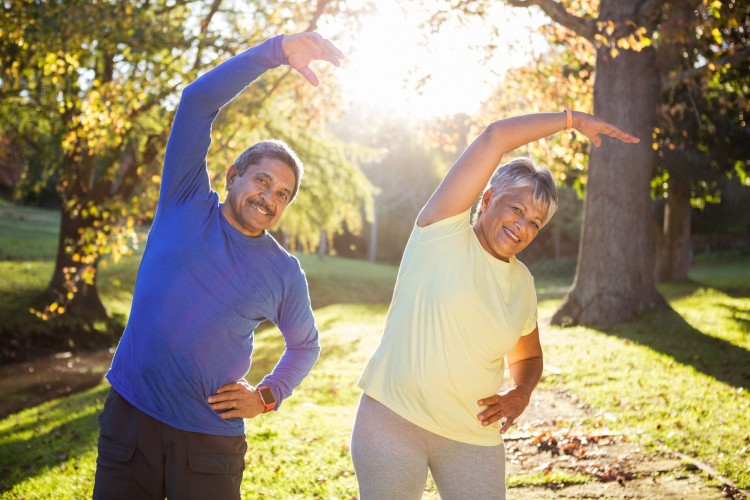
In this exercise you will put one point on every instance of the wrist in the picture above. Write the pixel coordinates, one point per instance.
(568, 118)
(267, 398)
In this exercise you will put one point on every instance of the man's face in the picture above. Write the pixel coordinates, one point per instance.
(256, 200)
(508, 222)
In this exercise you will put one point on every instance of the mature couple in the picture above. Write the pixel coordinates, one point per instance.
(173, 424)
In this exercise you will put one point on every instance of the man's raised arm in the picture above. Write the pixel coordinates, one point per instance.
(184, 172)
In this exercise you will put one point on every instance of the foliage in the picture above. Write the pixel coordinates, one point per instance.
(90, 88)
(702, 135)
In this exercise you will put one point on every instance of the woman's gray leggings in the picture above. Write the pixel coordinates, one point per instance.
(392, 456)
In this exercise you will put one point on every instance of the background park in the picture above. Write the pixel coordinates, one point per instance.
(643, 276)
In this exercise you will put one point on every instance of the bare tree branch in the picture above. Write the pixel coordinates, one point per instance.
(204, 29)
(581, 26)
(738, 57)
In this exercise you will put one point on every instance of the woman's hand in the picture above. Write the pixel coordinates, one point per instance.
(507, 404)
(302, 48)
(592, 127)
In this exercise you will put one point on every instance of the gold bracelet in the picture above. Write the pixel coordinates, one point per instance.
(568, 118)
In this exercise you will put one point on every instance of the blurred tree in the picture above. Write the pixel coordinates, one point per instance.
(405, 172)
(702, 140)
(634, 65)
(89, 88)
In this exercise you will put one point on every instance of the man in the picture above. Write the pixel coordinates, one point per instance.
(173, 422)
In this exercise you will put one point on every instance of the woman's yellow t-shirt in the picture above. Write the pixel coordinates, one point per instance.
(456, 311)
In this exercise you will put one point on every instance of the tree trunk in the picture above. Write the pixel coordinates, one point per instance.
(615, 273)
(675, 260)
(372, 250)
(68, 273)
(323, 244)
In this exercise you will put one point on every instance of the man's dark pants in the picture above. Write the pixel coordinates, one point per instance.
(142, 458)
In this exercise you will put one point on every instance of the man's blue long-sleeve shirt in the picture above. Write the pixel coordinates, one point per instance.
(203, 287)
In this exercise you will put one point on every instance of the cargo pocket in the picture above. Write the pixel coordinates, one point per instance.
(216, 465)
(118, 435)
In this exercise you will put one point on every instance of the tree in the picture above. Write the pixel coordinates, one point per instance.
(631, 74)
(403, 170)
(90, 88)
(701, 139)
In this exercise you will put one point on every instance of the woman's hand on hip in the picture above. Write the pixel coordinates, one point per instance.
(507, 405)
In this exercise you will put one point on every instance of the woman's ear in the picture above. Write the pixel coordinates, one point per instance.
(486, 199)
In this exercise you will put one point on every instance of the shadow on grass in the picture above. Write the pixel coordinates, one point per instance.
(675, 291)
(56, 436)
(668, 333)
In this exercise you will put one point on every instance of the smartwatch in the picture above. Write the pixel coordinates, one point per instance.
(266, 396)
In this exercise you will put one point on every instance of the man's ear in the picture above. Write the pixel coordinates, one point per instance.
(232, 174)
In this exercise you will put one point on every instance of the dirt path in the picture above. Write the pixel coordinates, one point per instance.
(549, 438)
(32, 382)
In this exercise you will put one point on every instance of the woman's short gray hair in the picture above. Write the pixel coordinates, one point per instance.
(274, 149)
(523, 173)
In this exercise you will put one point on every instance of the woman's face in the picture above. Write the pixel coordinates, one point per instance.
(508, 222)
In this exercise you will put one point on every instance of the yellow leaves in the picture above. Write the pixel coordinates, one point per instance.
(156, 179)
(716, 34)
(635, 38)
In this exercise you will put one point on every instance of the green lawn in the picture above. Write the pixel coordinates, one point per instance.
(680, 378)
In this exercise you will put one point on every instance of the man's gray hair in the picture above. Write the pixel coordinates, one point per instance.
(274, 149)
(523, 173)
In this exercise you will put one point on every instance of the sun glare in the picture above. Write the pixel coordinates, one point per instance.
(390, 66)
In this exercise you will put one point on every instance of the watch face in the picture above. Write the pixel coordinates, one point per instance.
(267, 395)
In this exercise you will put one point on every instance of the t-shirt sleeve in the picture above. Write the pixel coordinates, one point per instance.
(432, 234)
(297, 325)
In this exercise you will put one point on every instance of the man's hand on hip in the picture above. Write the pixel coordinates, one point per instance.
(237, 400)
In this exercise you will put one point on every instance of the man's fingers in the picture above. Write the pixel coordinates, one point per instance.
(331, 53)
(230, 414)
(308, 73)
(232, 386)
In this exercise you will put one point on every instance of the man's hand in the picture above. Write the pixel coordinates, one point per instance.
(592, 127)
(301, 48)
(506, 405)
(237, 400)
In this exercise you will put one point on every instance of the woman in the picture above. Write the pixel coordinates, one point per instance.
(461, 303)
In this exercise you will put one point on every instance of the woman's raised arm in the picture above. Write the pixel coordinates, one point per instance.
(469, 175)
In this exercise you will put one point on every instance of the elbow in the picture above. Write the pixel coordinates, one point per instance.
(493, 130)
(188, 93)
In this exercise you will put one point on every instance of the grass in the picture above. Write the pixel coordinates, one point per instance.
(680, 379)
